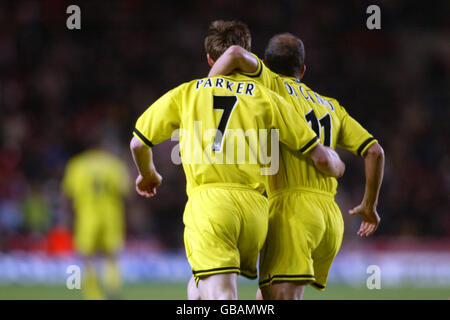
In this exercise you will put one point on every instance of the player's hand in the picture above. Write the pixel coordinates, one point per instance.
(370, 222)
(146, 186)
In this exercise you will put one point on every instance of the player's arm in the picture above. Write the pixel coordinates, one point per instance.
(327, 161)
(154, 126)
(374, 170)
(148, 179)
(357, 140)
(234, 58)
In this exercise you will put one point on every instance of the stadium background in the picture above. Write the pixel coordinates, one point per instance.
(61, 88)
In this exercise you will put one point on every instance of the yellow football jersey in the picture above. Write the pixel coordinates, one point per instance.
(96, 181)
(224, 125)
(331, 122)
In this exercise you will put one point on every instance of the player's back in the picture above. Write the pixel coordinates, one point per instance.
(228, 113)
(225, 125)
(334, 126)
(324, 119)
(327, 118)
(96, 181)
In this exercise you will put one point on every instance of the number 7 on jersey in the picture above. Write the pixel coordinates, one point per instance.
(226, 104)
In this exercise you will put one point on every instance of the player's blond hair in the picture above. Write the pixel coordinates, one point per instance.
(223, 34)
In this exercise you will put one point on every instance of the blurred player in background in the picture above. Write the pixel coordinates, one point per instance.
(97, 181)
(226, 214)
(306, 226)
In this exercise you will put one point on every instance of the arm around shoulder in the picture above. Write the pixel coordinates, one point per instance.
(234, 58)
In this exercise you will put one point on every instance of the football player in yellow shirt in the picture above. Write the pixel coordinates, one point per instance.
(222, 124)
(96, 181)
(306, 226)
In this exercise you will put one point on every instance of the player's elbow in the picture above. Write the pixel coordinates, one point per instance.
(135, 144)
(327, 161)
(340, 169)
(238, 56)
(375, 151)
(236, 52)
(331, 166)
(321, 160)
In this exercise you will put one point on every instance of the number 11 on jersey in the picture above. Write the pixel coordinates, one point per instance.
(324, 122)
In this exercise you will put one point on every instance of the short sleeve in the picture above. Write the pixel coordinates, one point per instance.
(263, 74)
(352, 136)
(159, 121)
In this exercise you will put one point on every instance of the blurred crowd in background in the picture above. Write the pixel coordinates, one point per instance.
(61, 89)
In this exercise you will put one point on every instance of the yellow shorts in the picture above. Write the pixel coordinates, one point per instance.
(305, 234)
(95, 235)
(225, 228)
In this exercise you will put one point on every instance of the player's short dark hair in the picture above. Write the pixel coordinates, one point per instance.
(285, 54)
(223, 34)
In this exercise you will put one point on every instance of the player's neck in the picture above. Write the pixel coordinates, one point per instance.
(291, 77)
